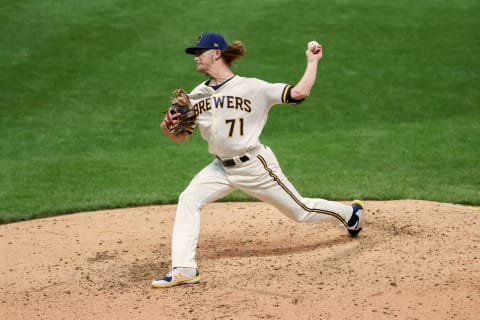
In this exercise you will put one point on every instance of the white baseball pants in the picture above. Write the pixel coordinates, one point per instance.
(260, 177)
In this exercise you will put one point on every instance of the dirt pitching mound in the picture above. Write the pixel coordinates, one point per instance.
(413, 260)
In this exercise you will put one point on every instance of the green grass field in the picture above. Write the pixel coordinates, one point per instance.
(395, 113)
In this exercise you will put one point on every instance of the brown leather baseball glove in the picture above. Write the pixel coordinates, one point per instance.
(180, 116)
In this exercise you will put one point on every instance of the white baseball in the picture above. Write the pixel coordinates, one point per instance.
(314, 46)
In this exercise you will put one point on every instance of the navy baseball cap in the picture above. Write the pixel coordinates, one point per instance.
(208, 41)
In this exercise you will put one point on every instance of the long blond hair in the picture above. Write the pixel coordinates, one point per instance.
(234, 51)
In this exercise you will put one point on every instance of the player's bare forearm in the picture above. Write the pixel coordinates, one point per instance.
(304, 86)
(175, 137)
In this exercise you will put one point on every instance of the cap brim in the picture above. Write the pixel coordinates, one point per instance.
(193, 49)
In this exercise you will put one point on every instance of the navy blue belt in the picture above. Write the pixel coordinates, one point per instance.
(231, 162)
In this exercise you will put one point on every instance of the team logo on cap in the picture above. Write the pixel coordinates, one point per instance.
(215, 44)
(199, 39)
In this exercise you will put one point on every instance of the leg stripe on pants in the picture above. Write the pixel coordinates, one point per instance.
(303, 206)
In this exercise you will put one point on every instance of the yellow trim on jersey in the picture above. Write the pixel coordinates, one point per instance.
(290, 193)
(285, 92)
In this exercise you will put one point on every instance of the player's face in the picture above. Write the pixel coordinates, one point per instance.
(204, 58)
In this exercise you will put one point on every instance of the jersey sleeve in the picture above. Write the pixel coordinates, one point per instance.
(278, 93)
(287, 96)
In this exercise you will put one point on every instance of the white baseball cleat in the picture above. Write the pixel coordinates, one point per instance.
(177, 277)
(355, 224)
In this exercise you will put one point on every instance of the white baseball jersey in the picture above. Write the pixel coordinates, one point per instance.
(232, 117)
